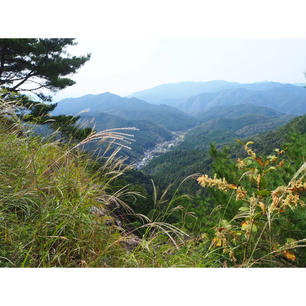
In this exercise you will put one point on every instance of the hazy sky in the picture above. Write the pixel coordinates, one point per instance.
(126, 66)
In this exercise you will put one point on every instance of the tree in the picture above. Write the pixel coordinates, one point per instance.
(37, 66)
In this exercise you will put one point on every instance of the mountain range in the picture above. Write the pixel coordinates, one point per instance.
(206, 111)
(126, 108)
(196, 97)
(287, 98)
(175, 93)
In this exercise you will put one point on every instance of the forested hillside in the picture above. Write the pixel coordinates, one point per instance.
(173, 166)
(147, 135)
(221, 112)
(228, 190)
(107, 111)
(63, 209)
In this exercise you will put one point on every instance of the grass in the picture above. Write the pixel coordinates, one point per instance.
(48, 190)
(45, 211)
(59, 208)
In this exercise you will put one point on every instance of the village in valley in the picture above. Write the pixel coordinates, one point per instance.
(160, 148)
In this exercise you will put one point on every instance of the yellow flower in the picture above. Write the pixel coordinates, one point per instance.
(217, 242)
(240, 193)
(263, 207)
(245, 225)
(222, 184)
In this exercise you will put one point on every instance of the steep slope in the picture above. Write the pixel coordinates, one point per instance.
(174, 166)
(223, 129)
(147, 136)
(51, 204)
(62, 209)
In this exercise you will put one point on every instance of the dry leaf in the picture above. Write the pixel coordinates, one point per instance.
(289, 255)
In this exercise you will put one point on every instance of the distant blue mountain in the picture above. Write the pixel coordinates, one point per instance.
(176, 93)
(93, 104)
(285, 98)
(236, 111)
(128, 109)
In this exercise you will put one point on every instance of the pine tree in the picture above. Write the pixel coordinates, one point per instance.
(31, 68)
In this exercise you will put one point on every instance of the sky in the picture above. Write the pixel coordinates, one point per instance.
(124, 66)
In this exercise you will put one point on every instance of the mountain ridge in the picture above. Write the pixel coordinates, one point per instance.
(288, 99)
(183, 90)
(127, 108)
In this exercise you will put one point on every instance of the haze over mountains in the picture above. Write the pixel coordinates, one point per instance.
(215, 110)
(287, 98)
(184, 90)
(196, 97)
(128, 109)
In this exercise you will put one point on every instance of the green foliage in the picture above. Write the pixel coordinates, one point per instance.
(223, 130)
(172, 167)
(175, 165)
(253, 216)
(47, 192)
(42, 63)
(254, 232)
(213, 206)
(67, 126)
(36, 66)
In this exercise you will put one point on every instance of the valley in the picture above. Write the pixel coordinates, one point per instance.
(178, 121)
(190, 174)
(160, 148)
(206, 111)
